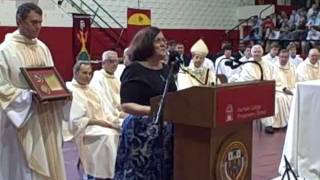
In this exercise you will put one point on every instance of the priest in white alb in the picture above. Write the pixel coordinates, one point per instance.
(272, 56)
(309, 69)
(30, 132)
(284, 75)
(95, 131)
(196, 74)
(108, 85)
(251, 72)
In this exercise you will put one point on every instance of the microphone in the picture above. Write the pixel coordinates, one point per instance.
(231, 64)
(174, 60)
(236, 63)
(174, 56)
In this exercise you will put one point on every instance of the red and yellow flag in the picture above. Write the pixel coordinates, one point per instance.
(137, 19)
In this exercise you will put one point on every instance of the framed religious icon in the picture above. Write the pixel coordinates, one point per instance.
(47, 82)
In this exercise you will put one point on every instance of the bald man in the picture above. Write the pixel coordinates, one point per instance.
(251, 72)
(309, 69)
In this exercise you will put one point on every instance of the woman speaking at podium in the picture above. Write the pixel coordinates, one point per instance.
(139, 154)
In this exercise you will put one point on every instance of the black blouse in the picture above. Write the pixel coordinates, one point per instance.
(139, 83)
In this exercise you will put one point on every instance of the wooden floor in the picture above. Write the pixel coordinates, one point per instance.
(267, 150)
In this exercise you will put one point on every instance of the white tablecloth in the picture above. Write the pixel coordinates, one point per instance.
(302, 142)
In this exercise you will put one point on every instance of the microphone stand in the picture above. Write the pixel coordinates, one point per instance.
(288, 170)
(159, 116)
(239, 63)
(217, 69)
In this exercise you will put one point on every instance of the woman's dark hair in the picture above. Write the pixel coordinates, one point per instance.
(141, 46)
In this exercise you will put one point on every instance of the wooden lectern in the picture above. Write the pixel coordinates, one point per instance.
(213, 128)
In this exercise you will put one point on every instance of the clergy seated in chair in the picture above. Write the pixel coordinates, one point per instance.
(108, 85)
(284, 75)
(196, 74)
(309, 69)
(95, 131)
(251, 72)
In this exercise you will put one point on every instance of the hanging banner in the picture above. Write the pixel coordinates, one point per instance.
(137, 19)
(81, 36)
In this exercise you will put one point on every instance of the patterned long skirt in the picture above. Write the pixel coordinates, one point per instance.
(141, 152)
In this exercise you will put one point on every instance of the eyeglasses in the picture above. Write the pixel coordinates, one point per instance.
(110, 61)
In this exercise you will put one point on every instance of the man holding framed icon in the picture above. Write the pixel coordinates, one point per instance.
(30, 131)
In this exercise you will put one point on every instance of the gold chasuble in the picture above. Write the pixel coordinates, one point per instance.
(109, 86)
(285, 78)
(307, 71)
(97, 145)
(34, 150)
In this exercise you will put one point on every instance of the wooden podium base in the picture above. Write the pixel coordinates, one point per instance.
(213, 154)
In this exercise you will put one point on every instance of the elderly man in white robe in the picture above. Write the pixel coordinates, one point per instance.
(284, 75)
(309, 69)
(30, 132)
(207, 63)
(95, 133)
(108, 85)
(251, 72)
(196, 74)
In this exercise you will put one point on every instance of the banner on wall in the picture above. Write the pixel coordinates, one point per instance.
(137, 19)
(81, 36)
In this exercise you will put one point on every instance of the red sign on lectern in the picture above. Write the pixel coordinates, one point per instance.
(238, 104)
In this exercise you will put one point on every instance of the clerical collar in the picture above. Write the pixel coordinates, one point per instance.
(107, 74)
(286, 66)
(316, 65)
(16, 36)
(76, 84)
(272, 57)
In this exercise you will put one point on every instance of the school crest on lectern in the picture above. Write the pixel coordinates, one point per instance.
(232, 162)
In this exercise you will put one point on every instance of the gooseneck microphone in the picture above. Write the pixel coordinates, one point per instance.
(236, 63)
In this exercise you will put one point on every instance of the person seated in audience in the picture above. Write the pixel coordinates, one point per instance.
(293, 57)
(312, 10)
(251, 72)
(294, 19)
(313, 37)
(284, 75)
(108, 85)
(95, 131)
(255, 33)
(309, 69)
(196, 74)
